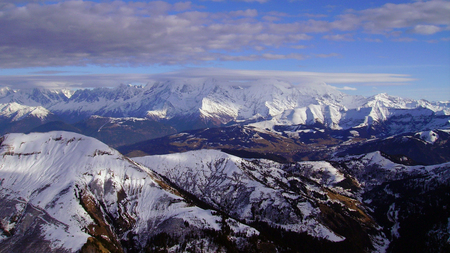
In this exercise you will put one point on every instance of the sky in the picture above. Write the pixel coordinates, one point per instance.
(360, 47)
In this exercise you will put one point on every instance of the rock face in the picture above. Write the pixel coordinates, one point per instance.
(301, 198)
(409, 202)
(65, 192)
(378, 182)
(367, 201)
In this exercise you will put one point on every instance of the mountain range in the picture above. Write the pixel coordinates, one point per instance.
(191, 104)
(204, 165)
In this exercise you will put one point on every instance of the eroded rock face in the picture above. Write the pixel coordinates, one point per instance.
(76, 193)
(65, 192)
(409, 202)
(21, 226)
(310, 198)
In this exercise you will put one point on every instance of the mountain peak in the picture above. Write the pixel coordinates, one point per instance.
(16, 112)
(204, 101)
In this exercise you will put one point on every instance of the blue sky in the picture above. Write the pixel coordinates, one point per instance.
(398, 47)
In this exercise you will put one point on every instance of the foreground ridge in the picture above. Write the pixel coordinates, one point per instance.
(65, 192)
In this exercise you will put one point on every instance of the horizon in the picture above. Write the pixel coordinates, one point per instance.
(225, 81)
(401, 48)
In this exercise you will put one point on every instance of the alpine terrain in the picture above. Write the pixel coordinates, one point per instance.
(205, 165)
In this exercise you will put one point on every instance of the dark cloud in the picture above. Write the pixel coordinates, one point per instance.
(136, 33)
(77, 33)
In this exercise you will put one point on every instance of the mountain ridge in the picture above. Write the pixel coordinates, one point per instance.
(223, 102)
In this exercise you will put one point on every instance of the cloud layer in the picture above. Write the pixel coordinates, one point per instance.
(46, 80)
(77, 33)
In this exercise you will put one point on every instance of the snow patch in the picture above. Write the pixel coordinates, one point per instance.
(428, 136)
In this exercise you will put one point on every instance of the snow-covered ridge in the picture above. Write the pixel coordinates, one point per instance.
(225, 101)
(15, 112)
(254, 190)
(68, 176)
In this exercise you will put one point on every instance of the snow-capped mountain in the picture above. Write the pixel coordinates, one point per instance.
(15, 112)
(65, 192)
(261, 191)
(35, 97)
(411, 203)
(396, 206)
(15, 117)
(269, 102)
(425, 147)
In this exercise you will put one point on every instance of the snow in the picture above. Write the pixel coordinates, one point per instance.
(392, 214)
(226, 181)
(322, 172)
(46, 170)
(354, 133)
(429, 136)
(272, 100)
(16, 112)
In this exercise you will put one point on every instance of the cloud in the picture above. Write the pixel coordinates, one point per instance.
(339, 37)
(426, 29)
(298, 46)
(111, 80)
(127, 33)
(130, 33)
(405, 39)
(266, 56)
(247, 1)
(395, 16)
(49, 72)
(346, 88)
(373, 40)
(246, 13)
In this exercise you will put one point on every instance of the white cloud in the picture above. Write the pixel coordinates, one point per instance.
(373, 40)
(299, 47)
(131, 33)
(426, 29)
(394, 16)
(70, 33)
(346, 88)
(246, 13)
(404, 39)
(110, 80)
(339, 37)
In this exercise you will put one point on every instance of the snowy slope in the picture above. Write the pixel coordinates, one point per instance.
(226, 101)
(15, 117)
(15, 112)
(374, 169)
(65, 192)
(410, 202)
(35, 97)
(60, 190)
(356, 112)
(289, 197)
